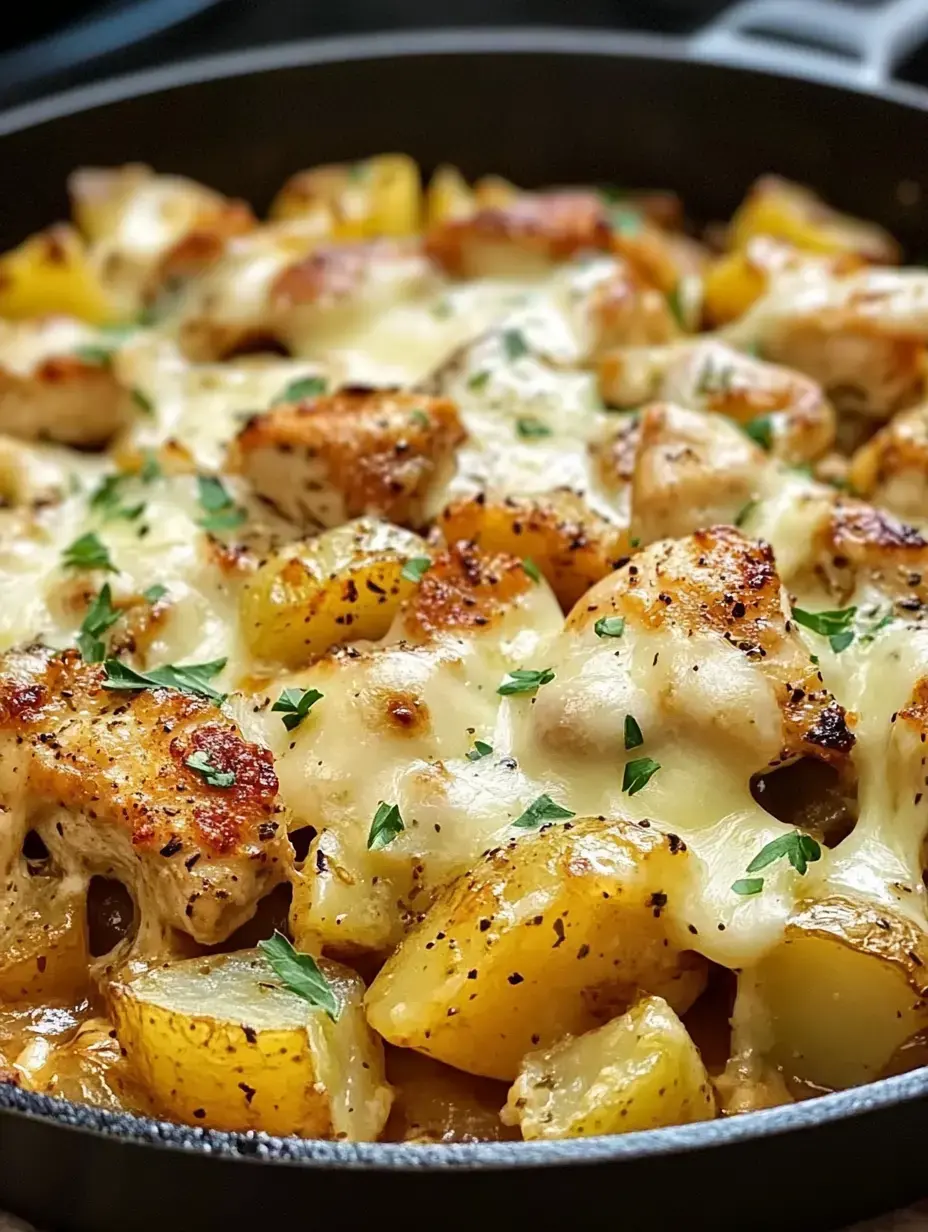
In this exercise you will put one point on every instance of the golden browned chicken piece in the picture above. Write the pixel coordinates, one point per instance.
(329, 459)
(154, 787)
(892, 467)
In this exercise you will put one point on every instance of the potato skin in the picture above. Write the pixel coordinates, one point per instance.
(212, 1067)
(569, 910)
(639, 1071)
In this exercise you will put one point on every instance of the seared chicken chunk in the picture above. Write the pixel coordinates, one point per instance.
(328, 459)
(892, 467)
(155, 788)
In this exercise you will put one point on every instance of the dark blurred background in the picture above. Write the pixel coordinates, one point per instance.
(53, 46)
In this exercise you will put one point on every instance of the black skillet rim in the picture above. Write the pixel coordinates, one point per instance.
(386, 1156)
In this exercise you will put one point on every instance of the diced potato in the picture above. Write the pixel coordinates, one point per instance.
(732, 284)
(493, 190)
(380, 196)
(435, 1103)
(639, 1071)
(571, 545)
(344, 586)
(448, 196)
(791, 212)
(552, 934)
(44, 944)
(844, 990)
(51, 273)
(89, 1068)
(219, 1042)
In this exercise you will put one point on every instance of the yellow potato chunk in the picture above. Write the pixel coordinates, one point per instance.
(639, 1071)
(552, 934)
(44, 944)
(51, 273)
(344, 586)
(448, 196)
(220, 1042)
(380, 196)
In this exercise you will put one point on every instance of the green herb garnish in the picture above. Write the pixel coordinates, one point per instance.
(748, 885)
(222, 513)
(214, 777)
(302, 387)
(100, 356)
(295, 705)
(100, 616)
(514, 344)
(478, 380)
(531, 569)
(154, 593)
(745, 512)
(187, 677)
(480, 749)
(385, 827)
(415, 567)
(760, 430)
(800, 849)
(142, 401)
(638, 773)
(834, 625)
(525, 680)
(530, 428)
(633, 736)
(541, 810)
(300, 974)
(88, 552)
(609, 626)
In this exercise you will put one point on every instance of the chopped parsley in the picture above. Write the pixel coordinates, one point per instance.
(222, 513)
(101, 356)
(625, 221)
(302, 387)
(541, 810)
(154, 593)
(675, 304)
(800, 849)
(872, 630)
(760, 430)
(480, 749)
(609, 626)
(295, 705)
(638, 773)
(420, 418)
(514, 344)
(745, 512)
(214, 777)
(100, 616)
(633, 737)
(151, 467)
(300, 974)
(187, 677)
(142, 401)
(748, 885)
(442, 310)
(524, 680)
(531, 569)
(106, 498)
(88, 552)
(634, 542)
(530, 428)
(835, 625)
(415, 567)
(478, 380)
(715, 379)
(385, 827)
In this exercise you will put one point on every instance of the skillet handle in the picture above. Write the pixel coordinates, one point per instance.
(831, 40)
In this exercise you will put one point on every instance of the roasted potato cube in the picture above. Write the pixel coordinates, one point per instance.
(357, 452)
(88, 1067)
(51, 273)
(448, 196)
(346, 585)
(843, 991)
(571, 545)
(552, 934)
(220, 1042)
(794, 213)
(639, 1071)
(380, 196)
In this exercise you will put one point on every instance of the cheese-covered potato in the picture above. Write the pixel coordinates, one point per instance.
(551, 933)
(220, 1042)
(378, 196)
(639, 1071)
(51, 272)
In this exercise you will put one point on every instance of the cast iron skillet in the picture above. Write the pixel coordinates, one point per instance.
(541, 106)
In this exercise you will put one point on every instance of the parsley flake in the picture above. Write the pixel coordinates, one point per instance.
(302, 387)
(760, 430)
(151, 467)
(100, 356)
(385, 827)
(638, 773)
(415, 567)
(478, 380)
(480, 749)
(295, 705)
(514, 344)
(187, 677)
(541, 810)
(525, 680)
(88, 552)
(835, 625)
(222, 513)
(100, 616)
(745, 512)
(609, 626)
(530, 428)
(142, 401)
(748, 885)
(531, 569)
(106, 499)
(800, 849)
(214, 777)
(633, 737)
(154, 593)
(420, 418)
(300, 974)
